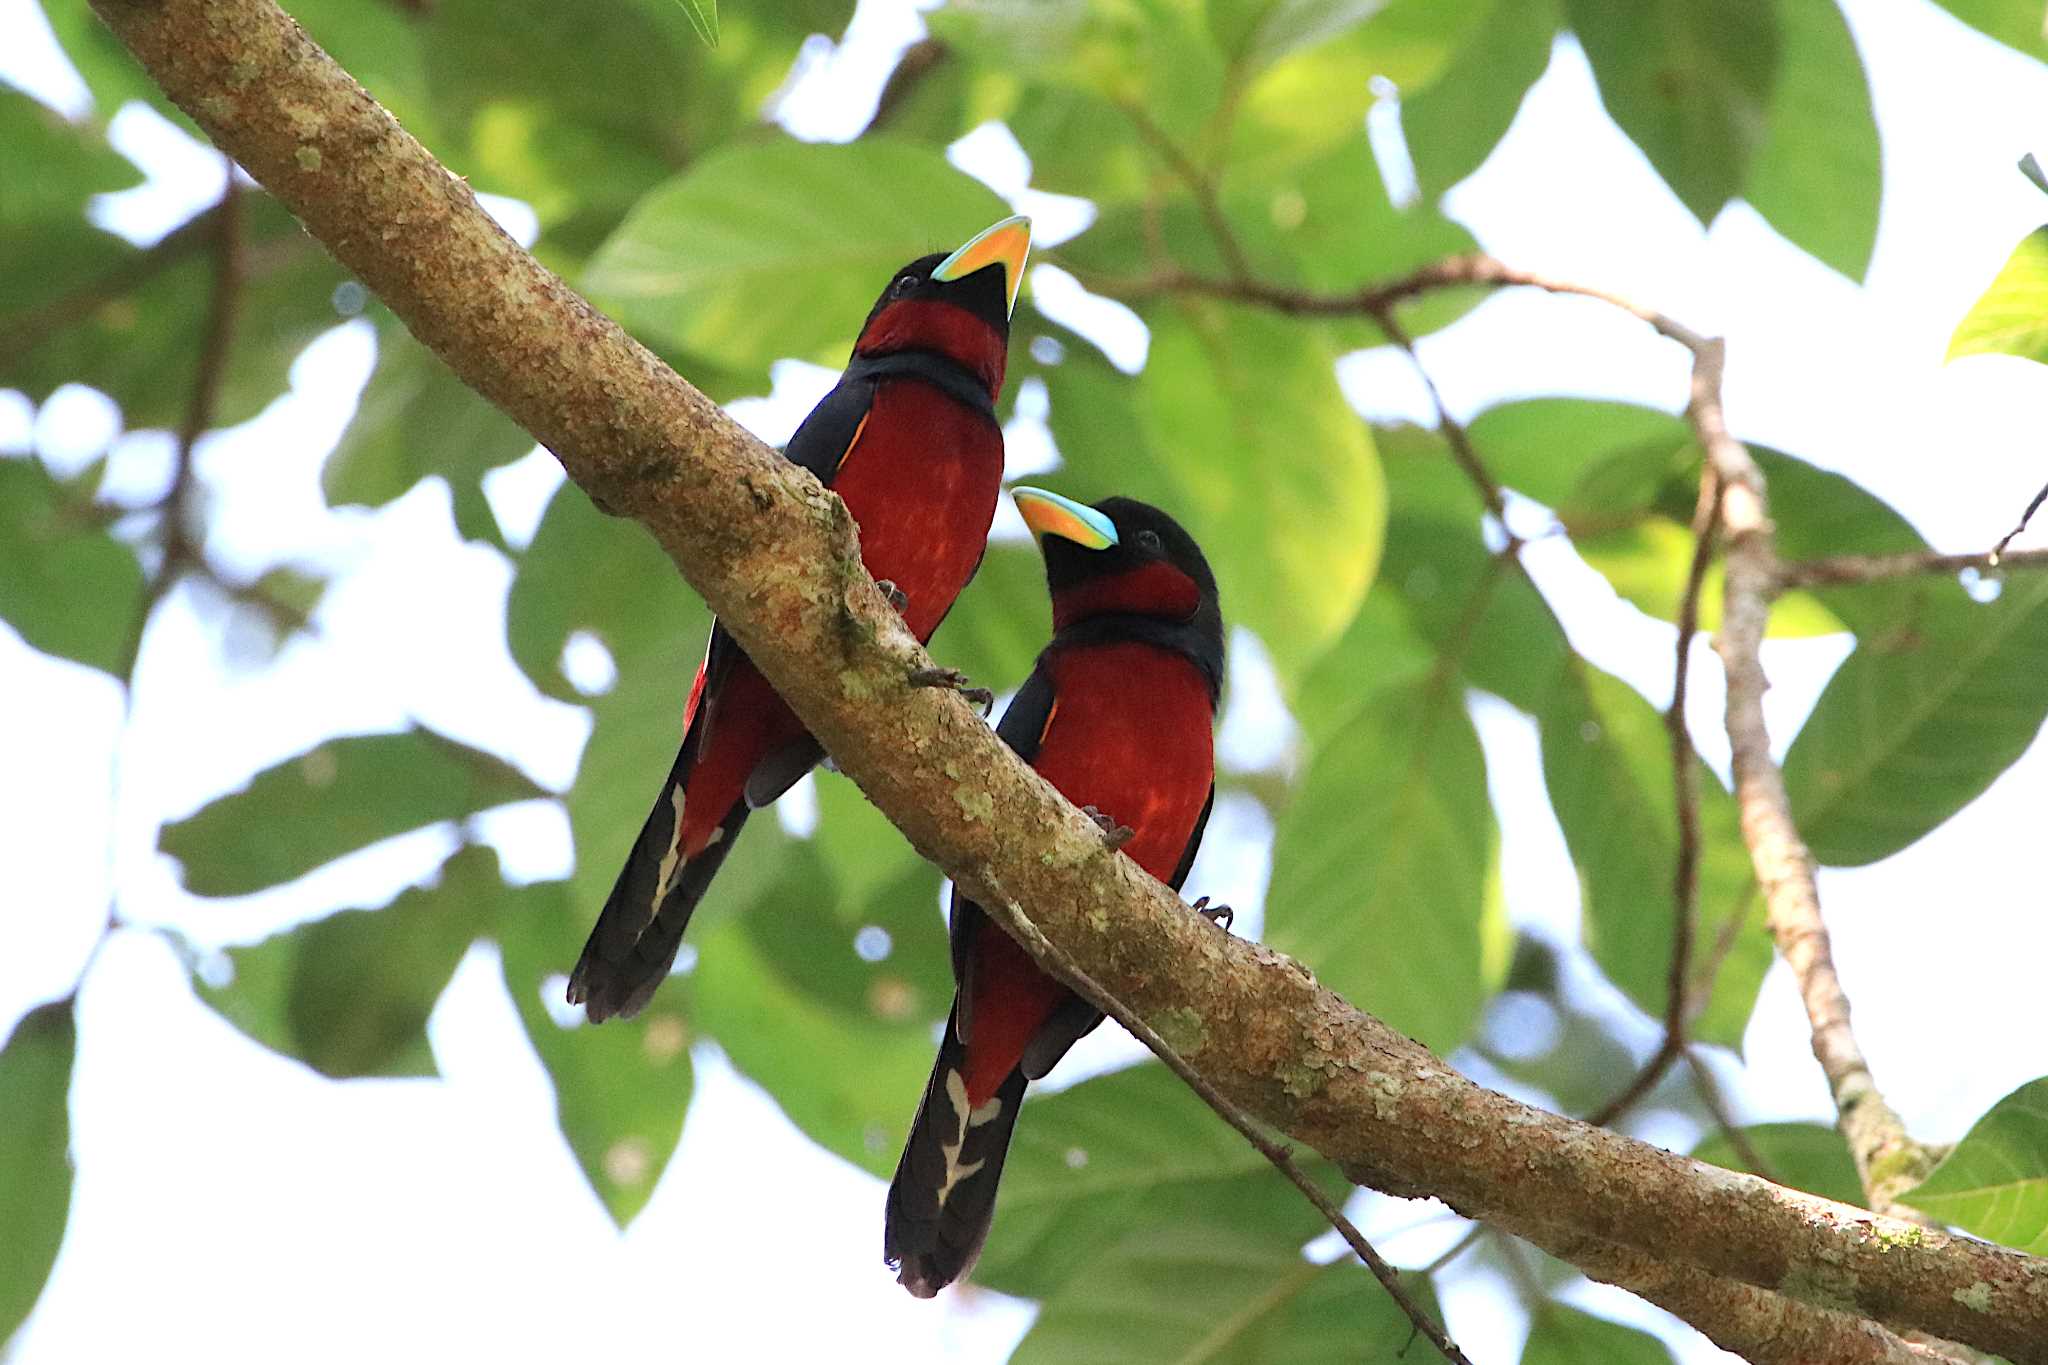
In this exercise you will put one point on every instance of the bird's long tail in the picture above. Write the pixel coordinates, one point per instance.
(944, 1195)
(634, 945)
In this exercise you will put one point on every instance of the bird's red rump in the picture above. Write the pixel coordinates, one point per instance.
(1153, 589)
(1132, 739)
(931, 325)
(748, 722)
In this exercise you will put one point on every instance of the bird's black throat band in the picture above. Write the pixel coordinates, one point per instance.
(942, 372)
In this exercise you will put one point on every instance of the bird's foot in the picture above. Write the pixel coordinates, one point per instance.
(1222, 916)
(954, 680)
(1113, 834)
(898, 598)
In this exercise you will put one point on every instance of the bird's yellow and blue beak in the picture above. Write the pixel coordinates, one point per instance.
(1049, 514)
(1006, 244)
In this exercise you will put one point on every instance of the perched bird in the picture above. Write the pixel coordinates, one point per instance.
(909, 439)
(1118, 714)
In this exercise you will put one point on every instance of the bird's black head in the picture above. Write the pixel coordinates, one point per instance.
(1122, 557)
(957, 305)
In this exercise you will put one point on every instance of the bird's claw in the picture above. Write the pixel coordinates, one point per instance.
(1113, 834)
(1222, 916)
(954, 680)
(898, 599)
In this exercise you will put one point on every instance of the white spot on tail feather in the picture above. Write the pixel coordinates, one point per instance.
(672, 859)
(964, 1119)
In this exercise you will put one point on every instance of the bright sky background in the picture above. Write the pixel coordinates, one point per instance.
(232, 1203)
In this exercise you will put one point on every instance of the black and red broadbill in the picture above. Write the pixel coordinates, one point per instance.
(1119, 715)
(909, 439)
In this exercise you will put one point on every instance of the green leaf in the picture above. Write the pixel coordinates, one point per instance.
(1321, 222)
(1934, 703)
(2030, 167)
(417, 419)
(1237, 424)
(1806, 1156)
(2016, 23)
(850, 1084)
(1390, 839)
(568, 583)
(580, 110)
(1915, 725)
(1132, 1149)
(349, 995)
(735, 260)
(859, 876)
(1545, 448)
(1453, 123)
(344, 795)
(1624, 481)
(703, 17)
(1226, 1283)
(1000, 621)
(1378, 650)
(1817, 177)
(1690, 82)
(2011, 316)
(1153, 56)
(1254, 34)
(1413, 42)
(622, 1089)
(1607, 765)
(1454, 592)
(35, 1155)
(70, 588)
(1562, 1335)
(1995, 1183)
(140, 341)
(57, 166)
(1648, 565)
(1819, 513)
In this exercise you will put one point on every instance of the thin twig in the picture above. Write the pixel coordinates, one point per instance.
(917, 64)
(1456, 1249)
(31, 327)
(1685, 762)
(1998, 555)
(1455, 435)
(1642, 1083)
(1056, 961)
(1709, 1090)
(1472, 268)
(1837, 569)
(223, 230)
(1200, 186)
(180, 552)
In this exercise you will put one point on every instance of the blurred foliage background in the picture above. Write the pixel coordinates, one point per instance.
(1300, 146)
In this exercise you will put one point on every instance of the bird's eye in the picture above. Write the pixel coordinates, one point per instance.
(904, 284)
(1150, 540)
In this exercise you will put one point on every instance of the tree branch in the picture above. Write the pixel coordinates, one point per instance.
(776, 557)
(1820, 573)
(1886, 1158)
(1054, 960)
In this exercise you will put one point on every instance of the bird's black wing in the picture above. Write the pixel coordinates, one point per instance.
(825, 436)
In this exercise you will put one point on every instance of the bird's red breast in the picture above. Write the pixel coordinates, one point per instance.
(1130, 736)
(922, 481)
